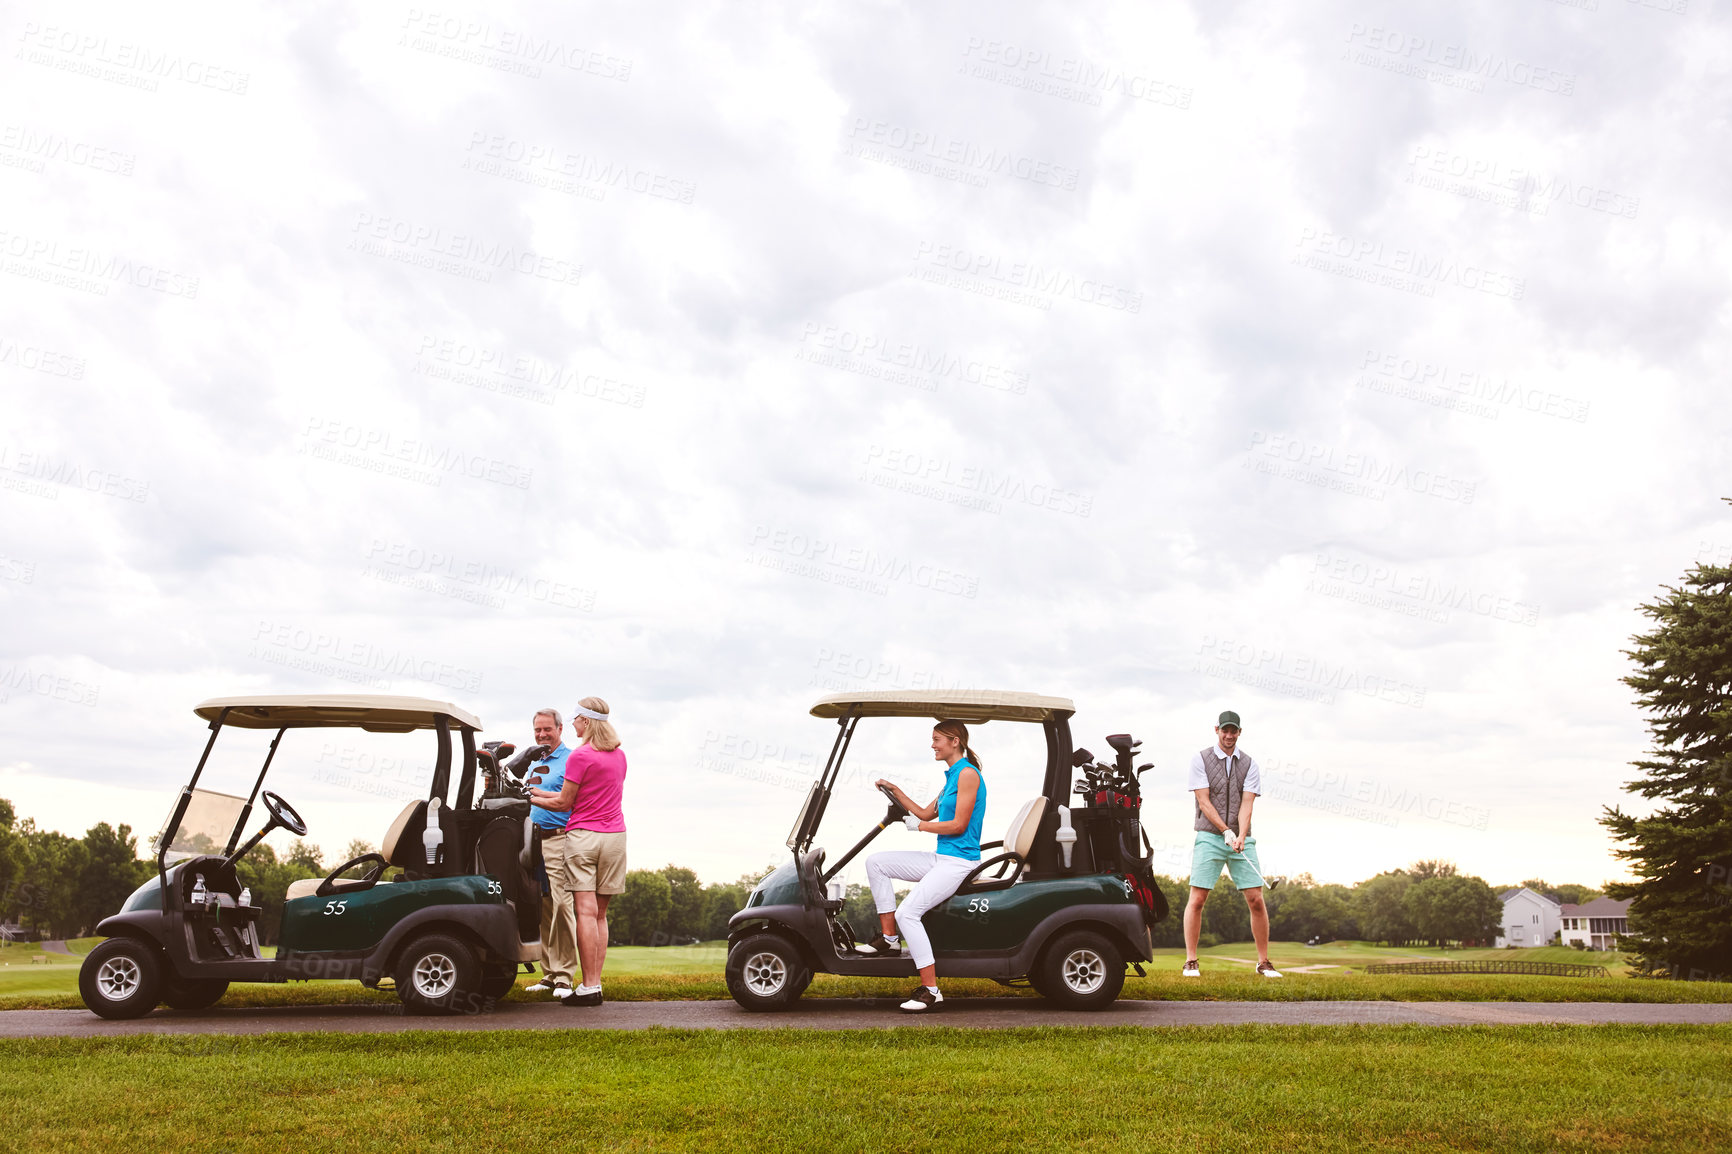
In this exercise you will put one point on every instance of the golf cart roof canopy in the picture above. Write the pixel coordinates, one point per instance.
(376, 713)
(975, 705)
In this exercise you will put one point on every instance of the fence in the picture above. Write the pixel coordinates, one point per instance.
(1550, 969)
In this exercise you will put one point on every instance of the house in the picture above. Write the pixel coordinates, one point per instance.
(1595, 924)
(1529, 918)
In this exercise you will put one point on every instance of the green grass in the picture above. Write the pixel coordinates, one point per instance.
(1356, 954)
(642, 973)
(1253, 1088)
(25, 953)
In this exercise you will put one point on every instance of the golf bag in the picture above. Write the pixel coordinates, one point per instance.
(1113, 813)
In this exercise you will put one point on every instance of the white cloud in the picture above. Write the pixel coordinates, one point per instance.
(985, 346)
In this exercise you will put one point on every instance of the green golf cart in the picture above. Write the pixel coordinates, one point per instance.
(447, 909)
(1064, 905)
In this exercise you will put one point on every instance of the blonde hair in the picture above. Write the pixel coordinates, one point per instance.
(598, 735)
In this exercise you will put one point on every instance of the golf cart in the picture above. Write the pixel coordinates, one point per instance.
(450, 925)
(1064, 904)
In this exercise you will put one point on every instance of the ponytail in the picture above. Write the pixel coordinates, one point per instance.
(973, 759)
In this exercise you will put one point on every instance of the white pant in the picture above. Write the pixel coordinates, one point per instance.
(938, 876)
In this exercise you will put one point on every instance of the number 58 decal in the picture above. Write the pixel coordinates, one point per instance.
(979, 905)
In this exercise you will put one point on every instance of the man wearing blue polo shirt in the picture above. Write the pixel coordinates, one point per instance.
(558, 917)
(1225, 782)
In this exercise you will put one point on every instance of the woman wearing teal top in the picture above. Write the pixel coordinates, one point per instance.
(955, 815)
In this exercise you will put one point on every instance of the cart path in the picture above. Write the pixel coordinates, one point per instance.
(57, 947)
(857, 1013)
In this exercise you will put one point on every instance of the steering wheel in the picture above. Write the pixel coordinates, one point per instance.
(896, 809)
(284, 814)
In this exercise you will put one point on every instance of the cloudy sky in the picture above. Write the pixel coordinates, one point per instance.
(1360, 369)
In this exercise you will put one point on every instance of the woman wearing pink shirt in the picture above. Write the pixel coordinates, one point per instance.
(594, 836)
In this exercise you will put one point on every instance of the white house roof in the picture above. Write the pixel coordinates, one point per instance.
(1510, 895)
(974, 705)
(377, 713)
(1599, 908)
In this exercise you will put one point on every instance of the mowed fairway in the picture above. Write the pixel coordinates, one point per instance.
(1334, 972)
(1263, 1089)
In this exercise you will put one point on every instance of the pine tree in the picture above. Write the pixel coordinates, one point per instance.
(1681, 906)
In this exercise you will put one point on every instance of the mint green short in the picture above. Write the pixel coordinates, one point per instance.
(1211, 853)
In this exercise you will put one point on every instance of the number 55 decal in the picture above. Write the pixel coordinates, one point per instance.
(495, 888)
(336, 907)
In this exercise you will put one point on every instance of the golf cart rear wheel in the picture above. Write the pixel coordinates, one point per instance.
(766, 972)
(194, 994)
(1080, 970)
(121, 978)
(498, 979)
(438, 974)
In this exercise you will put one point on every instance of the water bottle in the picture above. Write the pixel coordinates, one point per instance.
(198, 890)
(246, 896)
(1066, 836)
(432, 837)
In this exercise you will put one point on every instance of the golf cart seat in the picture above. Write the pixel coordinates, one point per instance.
(402, 841)
(1001, 871)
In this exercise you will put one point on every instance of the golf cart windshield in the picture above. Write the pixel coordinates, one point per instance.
(814, 798)
(209, 821)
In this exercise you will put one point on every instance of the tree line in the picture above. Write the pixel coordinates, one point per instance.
(56, 886)
(1429, 903)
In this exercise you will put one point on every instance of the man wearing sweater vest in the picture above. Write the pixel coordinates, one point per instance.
(1225, 782)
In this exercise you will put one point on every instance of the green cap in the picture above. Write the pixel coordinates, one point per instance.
(1229, 718)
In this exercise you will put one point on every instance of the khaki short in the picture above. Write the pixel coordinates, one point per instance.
(594, 861)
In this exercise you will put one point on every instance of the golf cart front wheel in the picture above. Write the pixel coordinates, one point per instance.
(184, 994)
(765, 972)
(439, 974)
(1080, 970)
(121, 978)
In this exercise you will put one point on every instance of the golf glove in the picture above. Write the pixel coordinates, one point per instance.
(912, 822)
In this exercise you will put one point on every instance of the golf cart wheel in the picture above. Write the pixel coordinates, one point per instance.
(121, 978)
(766, 972)
(195, 994)
(498, 979)
(438, 974)
(1080, 970)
